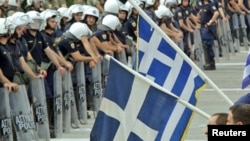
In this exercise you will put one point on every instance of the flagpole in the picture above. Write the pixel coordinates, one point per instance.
(183, 102)
(179, 51)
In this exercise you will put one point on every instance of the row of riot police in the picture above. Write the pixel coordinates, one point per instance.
(222, 25)
(54, 57)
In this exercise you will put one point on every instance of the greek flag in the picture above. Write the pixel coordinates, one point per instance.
(159, 61)
(246, 73)
(132, 109)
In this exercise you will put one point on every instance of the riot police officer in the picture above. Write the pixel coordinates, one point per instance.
(90, 17)
(208, 16)
(150, 7)
(75, 15)
(181, 15)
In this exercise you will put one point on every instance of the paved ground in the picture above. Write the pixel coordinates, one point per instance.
(227, 77)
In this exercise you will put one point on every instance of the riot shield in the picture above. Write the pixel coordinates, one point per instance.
(39, 105)
(73, 117)
(97, 87)
(66, 102)
(223, 39)
(248, 18)
(105, 71)
(22, 116)
(198, 49)
(236, 31)
(229, 37)
(5, 118)
(244, 30)
(122, 57)
(216, 50)
(58, 104)
(181, 45)
(81, 93)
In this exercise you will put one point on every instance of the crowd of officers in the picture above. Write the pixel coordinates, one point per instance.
(39, 37)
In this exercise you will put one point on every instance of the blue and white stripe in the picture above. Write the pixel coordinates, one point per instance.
(159, 62)
(246, 73)
(131, 109)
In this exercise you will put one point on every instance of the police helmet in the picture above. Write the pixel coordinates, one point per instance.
(92, 11)
(110, 22)
(16, 21)
(123, 7)
(26, 19)
(4, 30)
(37, 18)
(74, 9)
(63, 12)
(130, 6)
(112, 6)
(79, 30)
(150, 3)
(163, 11)
(48, 13)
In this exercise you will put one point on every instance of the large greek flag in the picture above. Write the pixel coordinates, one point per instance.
(158, 61)
(132, 109)
(246, 73)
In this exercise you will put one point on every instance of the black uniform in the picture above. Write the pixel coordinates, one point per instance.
(182, 13)
(6, 63)
(36, 46)
(130, 27)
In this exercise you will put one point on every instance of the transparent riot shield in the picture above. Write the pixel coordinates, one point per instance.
(105, 71)
(216, 50)
(198, 49)
(129, 51)
(58, 104)
(237, 32)
(5, 118)
(122, 57)
(181, 45)
(223, 39)
(73, 116)
(22, 116)
(97, 87)
(66, 102)
(81, 93)
(39, 105)
(229, 37)
(244, 29)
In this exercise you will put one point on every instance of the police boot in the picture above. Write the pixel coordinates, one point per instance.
(209, 66)
(207, 60)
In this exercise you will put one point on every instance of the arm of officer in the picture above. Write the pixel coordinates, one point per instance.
(168, 31)
(183, 26)
(194, 19)
(80, 58)
(118, 42)
(191, 24)
(91, 50)
(222, 14)
(236, 7)
(7, 84)
(52, 56)
(177, 32)
(26, 68)
(100, 45)
(40, 70)
(65, 63)
(215, 16)
(243, 7)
